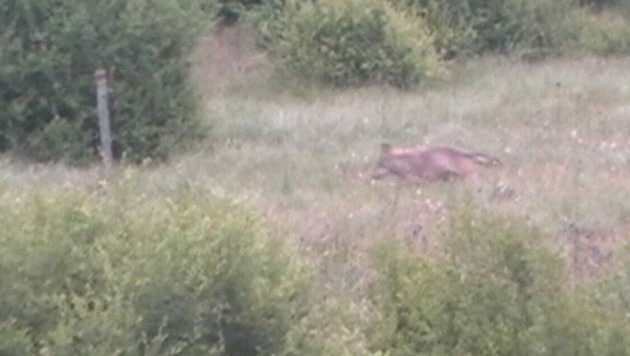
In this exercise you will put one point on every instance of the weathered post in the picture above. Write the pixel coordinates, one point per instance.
(102, 109)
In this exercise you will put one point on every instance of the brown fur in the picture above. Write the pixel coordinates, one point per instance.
(429, 162)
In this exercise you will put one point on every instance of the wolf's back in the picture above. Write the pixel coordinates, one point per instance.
(430, 162)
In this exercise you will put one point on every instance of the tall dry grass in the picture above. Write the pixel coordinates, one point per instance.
(560, 126)
(302, 157)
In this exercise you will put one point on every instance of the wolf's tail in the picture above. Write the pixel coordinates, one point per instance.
(485, 160)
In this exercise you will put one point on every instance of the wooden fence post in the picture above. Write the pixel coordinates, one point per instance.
(102, 109)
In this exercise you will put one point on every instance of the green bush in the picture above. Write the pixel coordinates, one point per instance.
(530, 28)
(14, 340)
(270, 18)
(133, 274)
(604, 3)
(448, 21)
(348, 42)
(524, 28)
(230, 10)
(605, 34)
(49, 51)
(535, 29)
(497, 291)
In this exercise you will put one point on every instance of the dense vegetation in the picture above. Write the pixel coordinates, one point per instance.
(120, 264)
(131, 274)
(49, 51)
(110, 272)
(496, 291)
(338, 41)
(352, 42)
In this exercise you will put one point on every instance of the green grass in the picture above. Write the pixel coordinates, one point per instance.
(302, 157)
(560, 127)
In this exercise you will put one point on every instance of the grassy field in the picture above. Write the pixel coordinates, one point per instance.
(560, 126)
(303, 156)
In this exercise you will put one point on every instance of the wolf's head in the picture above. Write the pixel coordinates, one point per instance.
(381, 169)
(395, 161)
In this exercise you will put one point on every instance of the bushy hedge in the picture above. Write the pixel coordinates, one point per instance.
(497, 291)
(400, 42)
(49, 51)
(605, 3)
(449, 22)
(532, 28)
(528, 29)
(120, 273)
(348, 42)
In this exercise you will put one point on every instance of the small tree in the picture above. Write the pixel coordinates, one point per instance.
(48, 52)
(348, 42)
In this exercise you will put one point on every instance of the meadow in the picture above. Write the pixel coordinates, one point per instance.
(304, 156)
(301, 157)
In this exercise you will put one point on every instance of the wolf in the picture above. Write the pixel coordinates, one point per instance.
(429, 162)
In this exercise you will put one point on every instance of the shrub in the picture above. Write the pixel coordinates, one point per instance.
(535, 30)
(270, 18)
(49, 51)
(230, 10)
(348, 42)
(604, 3)
(133, 274)
(605, 33)
(14, 340)
(529, 28)
(448, 21)
(496, 291)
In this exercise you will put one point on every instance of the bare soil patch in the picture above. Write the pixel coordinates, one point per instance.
(229, 57)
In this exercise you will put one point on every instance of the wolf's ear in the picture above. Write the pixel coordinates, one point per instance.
(386, 148)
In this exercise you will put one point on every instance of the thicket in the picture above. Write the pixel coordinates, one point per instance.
(350, 42)
(122, 271)
(600, 4)
(347, 43)
(521, 27)
(496, 291)
(49, 51)
(129, 274)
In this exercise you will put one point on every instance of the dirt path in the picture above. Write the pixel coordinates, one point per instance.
(228, 56)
